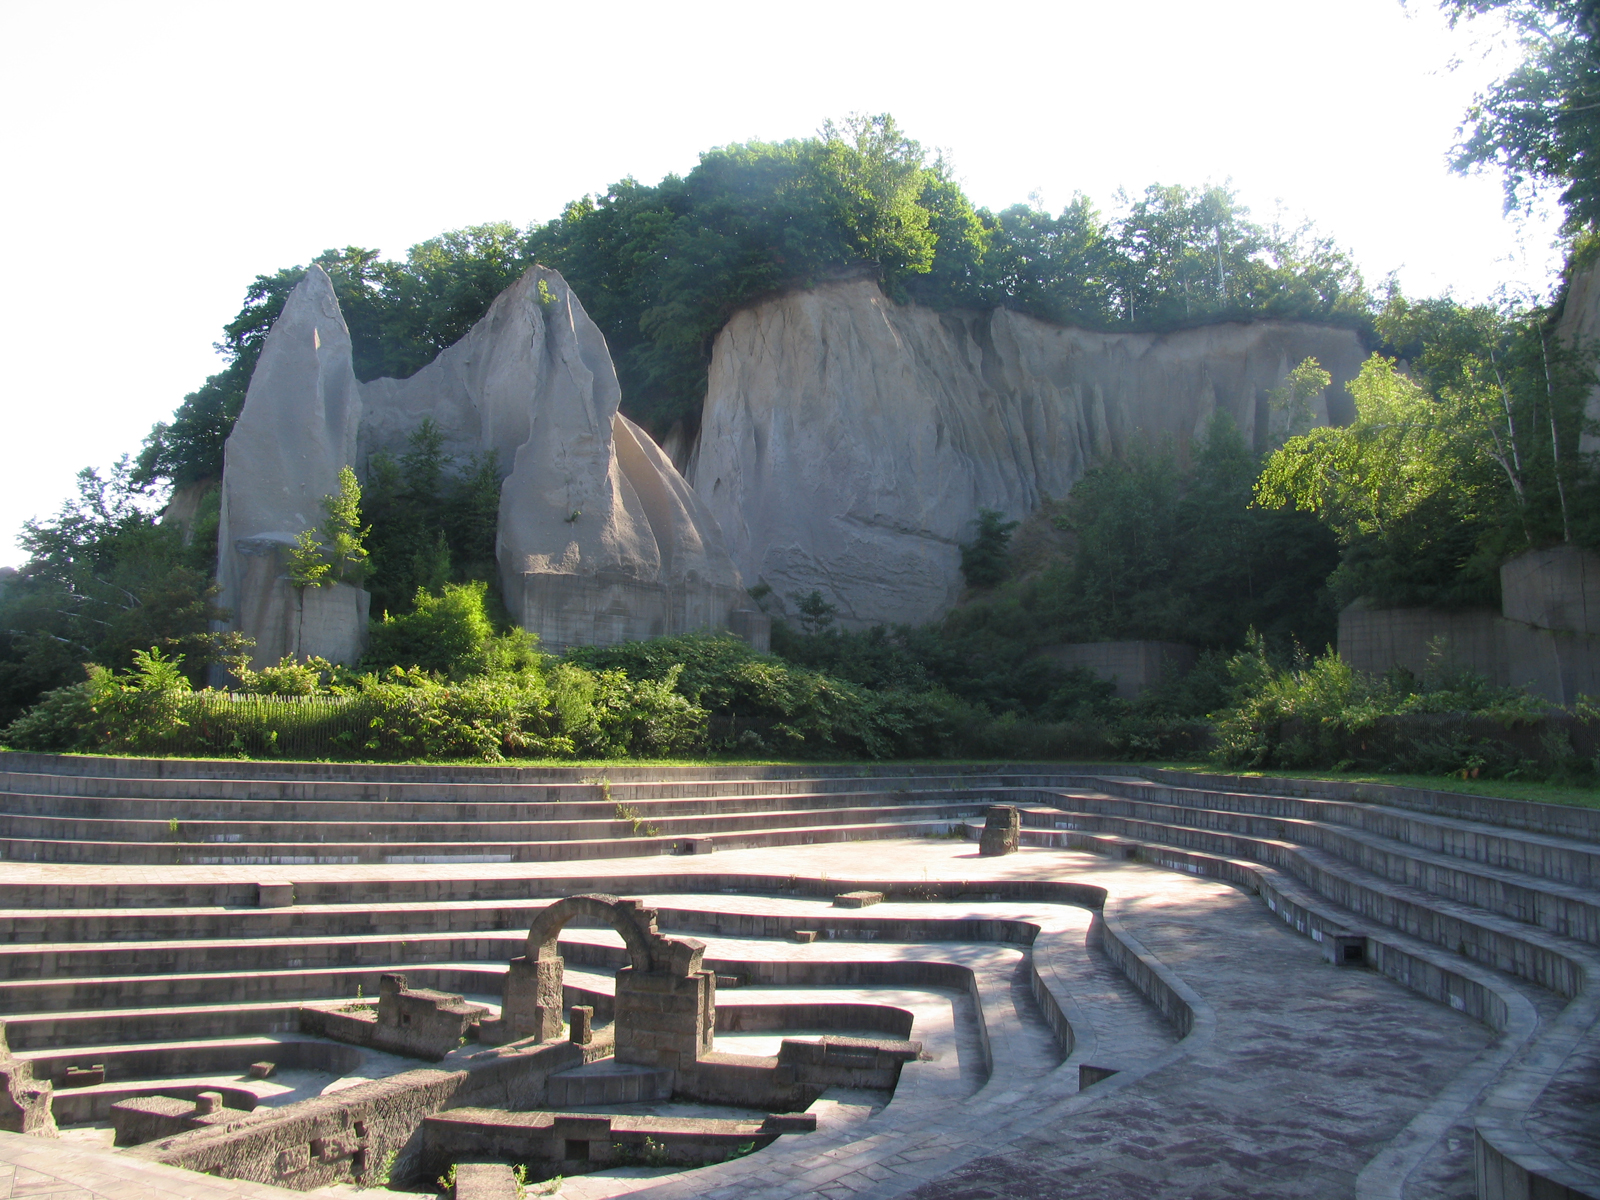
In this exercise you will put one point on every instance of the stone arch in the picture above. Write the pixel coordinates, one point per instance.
(648, 949)
(665, 1000)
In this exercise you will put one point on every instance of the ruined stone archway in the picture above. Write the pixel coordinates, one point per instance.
(665, 1000)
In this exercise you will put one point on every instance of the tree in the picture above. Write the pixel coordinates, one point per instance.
(104, 579)
(983, 560)
(1405, 495)
(337, 552)
(1539, 125)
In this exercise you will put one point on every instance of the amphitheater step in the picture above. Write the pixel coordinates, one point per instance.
(1559, 858)
(912, 824)
(1555, 963)
(1561, 908)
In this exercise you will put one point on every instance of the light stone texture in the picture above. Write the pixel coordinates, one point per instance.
(1580, 327)
(847, 442)
(600, 539)
(1546, 639)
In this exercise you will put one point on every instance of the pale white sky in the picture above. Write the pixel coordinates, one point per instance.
(160, 155)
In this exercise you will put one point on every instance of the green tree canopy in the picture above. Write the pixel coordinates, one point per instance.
(1539, 125)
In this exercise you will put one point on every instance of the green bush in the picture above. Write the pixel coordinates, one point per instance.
(448, 633)
(1321, 713)
(758, 703)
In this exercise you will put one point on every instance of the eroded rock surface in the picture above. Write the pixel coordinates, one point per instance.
(847, 443)
(600, 538)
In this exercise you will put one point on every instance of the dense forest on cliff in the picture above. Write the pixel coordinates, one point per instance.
(1464, 451)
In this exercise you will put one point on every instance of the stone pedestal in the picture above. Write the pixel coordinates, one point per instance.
(664, 1020)
(1002, 831)
(530, 1002)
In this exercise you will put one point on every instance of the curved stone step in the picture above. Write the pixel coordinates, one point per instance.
(1562, 859)
(379, 830)
(1561, 908)
(314, 853)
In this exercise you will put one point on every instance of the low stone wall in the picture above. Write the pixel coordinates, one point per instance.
(572, 1143)
(1133, 666)
(1546, 638)
(357, 1134)
(568, 610)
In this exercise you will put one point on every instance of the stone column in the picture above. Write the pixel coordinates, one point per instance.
(664, 1020)
(1002, 831)
(530, 1001)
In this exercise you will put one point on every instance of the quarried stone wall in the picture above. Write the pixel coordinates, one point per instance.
(1546, 638)
(1133, 666)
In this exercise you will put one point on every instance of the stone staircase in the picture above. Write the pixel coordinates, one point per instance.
(1490, 907)
(309, 814)
(1496, 918)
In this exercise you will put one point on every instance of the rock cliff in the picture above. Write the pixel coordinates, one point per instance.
(1580, 326)
(847, 443)
(600, 539)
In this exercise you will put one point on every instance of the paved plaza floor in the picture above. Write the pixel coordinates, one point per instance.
(1296, 1074)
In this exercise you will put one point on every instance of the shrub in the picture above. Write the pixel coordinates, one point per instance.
(449, 633)
(983, 560)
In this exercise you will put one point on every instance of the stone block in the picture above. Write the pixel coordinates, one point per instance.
(485, 1181)
(696, 846)
(274, 895)
(578, 1029)
(149, 1118)
(857, 899)
(90, 1076)
(262, 1070)
(803, 936)
(531, 999)
(789, 1123)
(1002, 831)
(421, 1022)
(1089, 1076)
(1557, 588)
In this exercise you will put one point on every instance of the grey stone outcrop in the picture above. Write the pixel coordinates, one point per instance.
(847, 442)
(600, 539)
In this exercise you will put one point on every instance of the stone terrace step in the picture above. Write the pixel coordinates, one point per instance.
(248, 785)
(724, 798)
(52, 937)
(922, 822)
(1551, 962)
(83, 766)
(1561, 858)
(1561, 908)
(381, 828)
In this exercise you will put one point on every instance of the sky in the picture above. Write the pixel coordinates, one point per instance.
(159, 155)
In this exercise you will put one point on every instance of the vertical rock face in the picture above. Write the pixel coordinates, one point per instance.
(847, 443)
(1580, 326)
(600, 539)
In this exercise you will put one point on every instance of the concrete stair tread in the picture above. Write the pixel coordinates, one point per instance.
(313, 853)
(208, 830)
(1521, 879)
(1436, 820)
